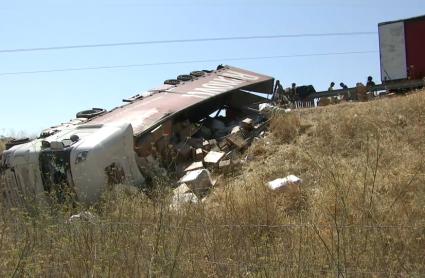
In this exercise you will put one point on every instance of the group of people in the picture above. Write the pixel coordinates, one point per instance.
(284, 96)
(342, 85)
(370, 84)
(290, 95)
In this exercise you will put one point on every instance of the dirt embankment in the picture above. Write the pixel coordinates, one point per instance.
(359, 212)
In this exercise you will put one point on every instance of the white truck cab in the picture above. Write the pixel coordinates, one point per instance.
(84, 159)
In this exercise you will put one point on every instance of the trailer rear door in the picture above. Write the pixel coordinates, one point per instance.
(393, 51)
(415, 46)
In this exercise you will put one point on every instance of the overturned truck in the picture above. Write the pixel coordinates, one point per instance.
(165, 129)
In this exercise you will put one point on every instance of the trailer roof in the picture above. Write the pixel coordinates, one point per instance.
(146, 113)
(421, 17)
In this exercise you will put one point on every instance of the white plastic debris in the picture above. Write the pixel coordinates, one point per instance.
(283, 183)
(287, 110)
(179, 200)
(197, 180)
(235, 129)
(82, 216)
(181, 189)
(265, 106)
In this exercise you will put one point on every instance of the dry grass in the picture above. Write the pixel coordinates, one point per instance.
(2, 146)
(359, 213)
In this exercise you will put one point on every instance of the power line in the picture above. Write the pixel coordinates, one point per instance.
(64, 47)
(222, 60)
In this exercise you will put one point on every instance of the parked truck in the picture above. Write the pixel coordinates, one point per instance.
(402, 59)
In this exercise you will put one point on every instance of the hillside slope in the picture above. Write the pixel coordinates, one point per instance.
(359, 212)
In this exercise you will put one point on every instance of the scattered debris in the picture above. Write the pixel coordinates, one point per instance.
(284, 183)
(235, 129)
(181, 189)
(225, 165)
(213, 158)
(237, 140)
(247, 124)
(199, 154)
(265, 107)
(84, 216)
(180, 199)
(194, 166)
(199, 181)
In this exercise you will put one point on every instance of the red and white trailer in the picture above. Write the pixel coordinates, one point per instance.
(402, 49)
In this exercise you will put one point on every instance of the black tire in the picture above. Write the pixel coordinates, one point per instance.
(15, 142)
(185, 77)
(171, 82)
(91, 113)
(197, 73)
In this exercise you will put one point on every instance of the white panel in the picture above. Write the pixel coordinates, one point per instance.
(393, 51)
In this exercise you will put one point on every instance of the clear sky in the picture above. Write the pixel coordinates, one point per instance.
(31, 102)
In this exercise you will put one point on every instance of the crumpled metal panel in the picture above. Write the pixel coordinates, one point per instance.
(146, 113)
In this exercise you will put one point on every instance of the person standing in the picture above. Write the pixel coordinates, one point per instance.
(331, 87)
(330, 90)
(279, 94)
(294, 94)
(275, 96)
(347, 91)
(370, 84)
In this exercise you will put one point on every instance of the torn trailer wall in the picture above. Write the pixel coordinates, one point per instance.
(171, 124)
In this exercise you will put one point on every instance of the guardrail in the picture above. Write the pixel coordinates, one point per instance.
(395, 85)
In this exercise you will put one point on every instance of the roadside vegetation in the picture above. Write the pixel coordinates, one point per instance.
(360, 211)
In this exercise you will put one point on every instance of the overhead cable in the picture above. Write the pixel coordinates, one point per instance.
(222, 60)
(134, 43)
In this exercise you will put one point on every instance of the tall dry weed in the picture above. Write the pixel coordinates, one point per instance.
(285, 127)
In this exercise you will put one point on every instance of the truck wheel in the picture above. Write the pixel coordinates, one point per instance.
(197, 73)
(171, 82)
(88, 114)
(185, 77)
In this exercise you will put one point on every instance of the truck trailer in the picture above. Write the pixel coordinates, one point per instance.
(401, 47)
(164, 126)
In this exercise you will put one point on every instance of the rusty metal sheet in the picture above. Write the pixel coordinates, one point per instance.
(145, 113)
